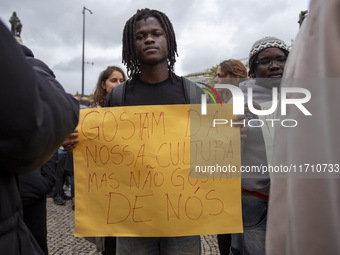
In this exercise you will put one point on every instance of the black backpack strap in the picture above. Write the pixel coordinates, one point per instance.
(116, 96)
(192, 92)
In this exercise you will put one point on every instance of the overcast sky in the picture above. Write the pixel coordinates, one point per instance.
(207, 31)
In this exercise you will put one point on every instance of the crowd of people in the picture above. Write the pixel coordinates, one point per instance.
(39, 133)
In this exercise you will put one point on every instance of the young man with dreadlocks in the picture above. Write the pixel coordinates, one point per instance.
(149, 53)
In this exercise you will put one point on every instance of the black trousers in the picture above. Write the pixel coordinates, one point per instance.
(35, 219)
(59, 182)
(224, 243)
(110, 246)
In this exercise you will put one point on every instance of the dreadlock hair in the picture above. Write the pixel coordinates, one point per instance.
(129, 53)
(252, 64)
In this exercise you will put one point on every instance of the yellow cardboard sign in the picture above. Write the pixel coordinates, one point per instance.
(132, 173)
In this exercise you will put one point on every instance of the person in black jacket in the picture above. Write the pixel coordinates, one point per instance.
(34, 187)
(36, 116)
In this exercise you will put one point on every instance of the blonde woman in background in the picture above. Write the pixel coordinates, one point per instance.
(233, 72)
(230, 71)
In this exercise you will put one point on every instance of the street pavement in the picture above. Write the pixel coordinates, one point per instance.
(61, 240)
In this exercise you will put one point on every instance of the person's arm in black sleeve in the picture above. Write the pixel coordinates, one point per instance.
(36, 114)
(48, 170)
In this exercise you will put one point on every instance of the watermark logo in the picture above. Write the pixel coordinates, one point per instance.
(204, 96)
(238, 99)
(304, 96)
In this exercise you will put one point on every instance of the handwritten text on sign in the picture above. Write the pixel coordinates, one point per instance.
(132, 175)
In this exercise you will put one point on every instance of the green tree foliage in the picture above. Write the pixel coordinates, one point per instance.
(212, 71)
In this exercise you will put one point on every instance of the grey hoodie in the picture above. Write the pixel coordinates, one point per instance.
(253, 151)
